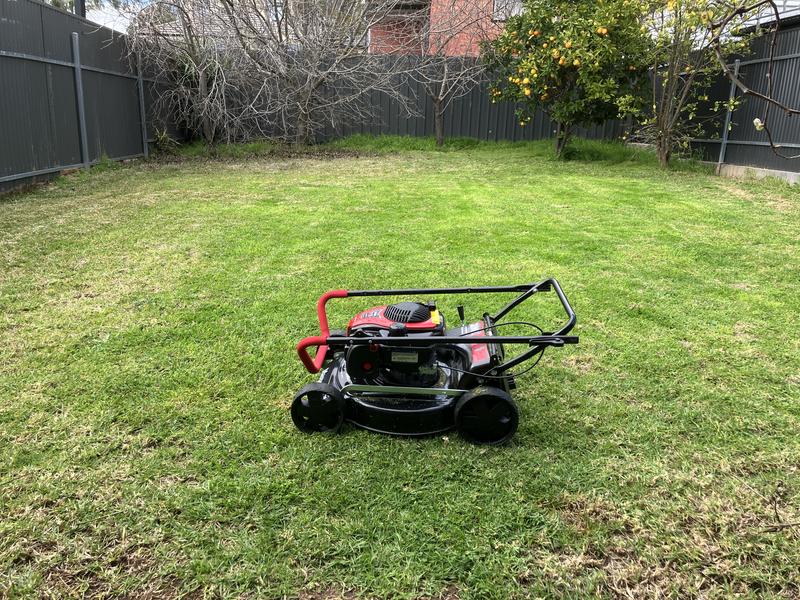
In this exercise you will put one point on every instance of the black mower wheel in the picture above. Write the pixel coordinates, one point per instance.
(318, 407)
(486, 415)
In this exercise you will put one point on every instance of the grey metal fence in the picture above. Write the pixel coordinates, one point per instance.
(473, 116)
(68, 95)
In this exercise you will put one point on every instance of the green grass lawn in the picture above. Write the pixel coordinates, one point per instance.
(147, 363)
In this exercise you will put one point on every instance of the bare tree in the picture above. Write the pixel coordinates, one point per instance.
(270, 68)
(182, 43)
(448, 41)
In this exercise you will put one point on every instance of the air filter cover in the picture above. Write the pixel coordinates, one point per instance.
(407, 312)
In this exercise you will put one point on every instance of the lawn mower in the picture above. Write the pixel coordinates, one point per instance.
(398, 369)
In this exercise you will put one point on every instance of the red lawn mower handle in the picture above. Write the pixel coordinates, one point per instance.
(315, 364)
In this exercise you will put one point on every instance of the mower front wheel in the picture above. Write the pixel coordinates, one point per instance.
(318, 407)
(486, 415)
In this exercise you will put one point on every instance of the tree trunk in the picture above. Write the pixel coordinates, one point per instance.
(664, 150)
(303, 128)
(563, 133)
(208, 126)
(438, 122)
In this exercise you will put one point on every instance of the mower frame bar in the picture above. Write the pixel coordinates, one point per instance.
(421, 342)
(538, 343)
(401, 389)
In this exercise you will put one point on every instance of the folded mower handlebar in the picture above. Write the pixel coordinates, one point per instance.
(313, 365)
(558, 338)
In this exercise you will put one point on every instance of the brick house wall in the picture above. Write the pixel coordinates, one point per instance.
(400, 34)
(397, 35)
(478, 27)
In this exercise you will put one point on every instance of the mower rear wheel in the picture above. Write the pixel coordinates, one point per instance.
(318, 407)
(486, 415)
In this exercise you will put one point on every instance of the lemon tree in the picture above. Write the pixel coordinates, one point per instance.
(581, 62)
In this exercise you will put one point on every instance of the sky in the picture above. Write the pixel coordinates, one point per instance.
(109, 17)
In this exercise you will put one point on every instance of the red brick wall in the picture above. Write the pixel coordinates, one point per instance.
(462, 25)
(395, 36)
(457, 25)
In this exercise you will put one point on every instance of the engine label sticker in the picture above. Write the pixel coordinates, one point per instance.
(405, 357)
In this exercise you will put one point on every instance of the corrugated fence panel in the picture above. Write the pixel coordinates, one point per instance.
(787, 90)
(65, 137)
(112, 115)
(21, 120)
(21, 27)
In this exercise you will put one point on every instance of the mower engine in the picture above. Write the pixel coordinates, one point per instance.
(397, 369)
(426, 365)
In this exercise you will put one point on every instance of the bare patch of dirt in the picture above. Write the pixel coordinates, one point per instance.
(578, 362)
(128, 572)
(742, 332)
(621, 572)
(65, 582)
(582, 511)
(450, 593)
(770, 200)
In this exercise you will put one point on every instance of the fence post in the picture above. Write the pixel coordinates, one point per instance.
(731, 95)
(142, 113)
(76, 58)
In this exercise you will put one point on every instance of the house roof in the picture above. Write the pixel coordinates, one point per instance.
(789, 11)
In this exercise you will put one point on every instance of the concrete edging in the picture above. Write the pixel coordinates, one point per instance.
(744, 171)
